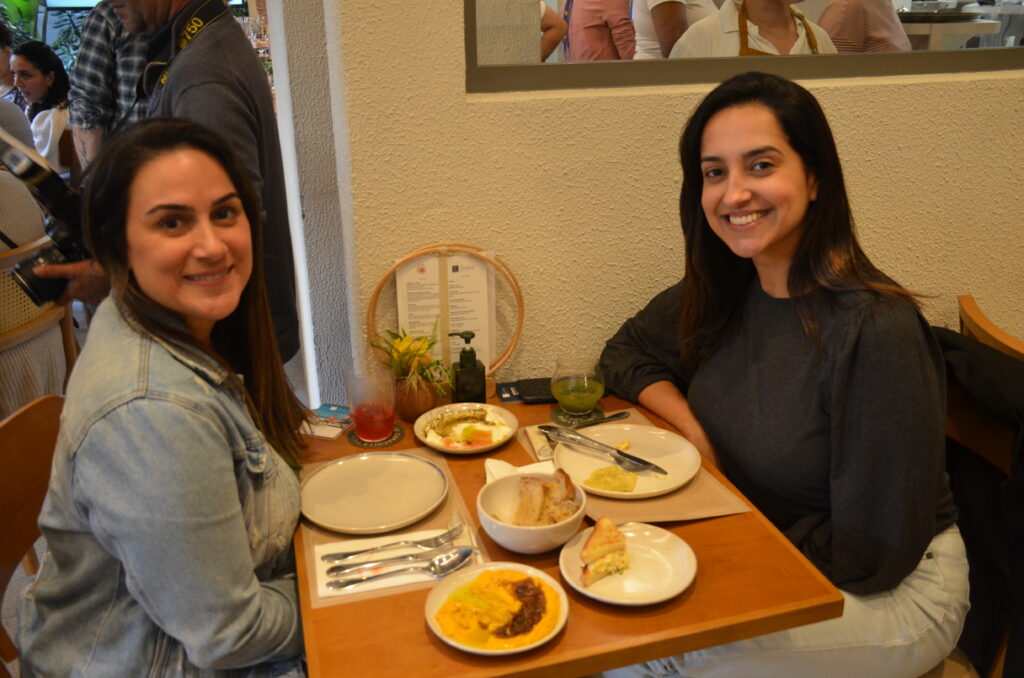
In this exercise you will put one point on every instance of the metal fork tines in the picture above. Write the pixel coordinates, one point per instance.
(453, 532)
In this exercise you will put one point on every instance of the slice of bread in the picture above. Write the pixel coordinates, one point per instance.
(604, 552)
(559, 499)
(530, 510)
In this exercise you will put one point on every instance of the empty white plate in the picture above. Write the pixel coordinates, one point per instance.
(373, 492)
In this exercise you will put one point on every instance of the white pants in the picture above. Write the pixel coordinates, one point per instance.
(901, 633)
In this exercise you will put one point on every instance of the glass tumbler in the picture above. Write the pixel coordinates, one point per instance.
(371, 394)
(577, 384)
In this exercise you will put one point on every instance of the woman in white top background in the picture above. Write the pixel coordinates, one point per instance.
(40, 75)
(754, 27)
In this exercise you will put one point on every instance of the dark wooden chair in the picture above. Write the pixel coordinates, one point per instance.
(984, 450)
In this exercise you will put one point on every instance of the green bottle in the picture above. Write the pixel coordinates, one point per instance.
(469, 373)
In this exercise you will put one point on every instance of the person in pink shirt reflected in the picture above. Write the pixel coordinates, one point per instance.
(864, 26)
(599, 30)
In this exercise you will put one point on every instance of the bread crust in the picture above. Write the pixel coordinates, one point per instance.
(604, 552)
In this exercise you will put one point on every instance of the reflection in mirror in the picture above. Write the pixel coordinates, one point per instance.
(873, 37)
(607, 30)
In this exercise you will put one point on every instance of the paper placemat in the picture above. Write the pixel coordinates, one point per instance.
(703, 497)
(318, 541)
(391, 581)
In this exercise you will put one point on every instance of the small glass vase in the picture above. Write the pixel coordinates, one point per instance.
(412, 401)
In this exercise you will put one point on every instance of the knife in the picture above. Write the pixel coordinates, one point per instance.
(571, 437)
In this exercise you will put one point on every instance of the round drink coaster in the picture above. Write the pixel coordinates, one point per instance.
(563, 418)
(397, 434)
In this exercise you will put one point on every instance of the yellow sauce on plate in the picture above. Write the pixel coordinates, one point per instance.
(611, 478)
(499, 610)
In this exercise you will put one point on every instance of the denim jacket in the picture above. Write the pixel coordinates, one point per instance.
(168, 525)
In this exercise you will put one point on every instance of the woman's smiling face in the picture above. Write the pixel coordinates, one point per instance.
(32, 82)
(756, 188)
(188, 237)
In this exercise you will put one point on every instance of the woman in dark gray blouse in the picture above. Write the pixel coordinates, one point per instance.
(811, 378)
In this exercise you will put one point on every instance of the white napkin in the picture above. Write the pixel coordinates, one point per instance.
(496, 468)
(383, 582)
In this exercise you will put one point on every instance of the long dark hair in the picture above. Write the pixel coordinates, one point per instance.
(244, 342)
(47, 61)
(828, 257)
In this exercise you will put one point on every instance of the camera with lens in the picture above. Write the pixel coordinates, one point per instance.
(63, 223)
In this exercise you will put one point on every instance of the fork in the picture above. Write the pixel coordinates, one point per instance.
(455, 528)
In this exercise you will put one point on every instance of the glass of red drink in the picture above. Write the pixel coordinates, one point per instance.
(371, 393)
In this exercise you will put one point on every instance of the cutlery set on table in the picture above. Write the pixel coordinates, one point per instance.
(434, 556)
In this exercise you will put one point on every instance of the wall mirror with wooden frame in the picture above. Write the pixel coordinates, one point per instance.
(492, 65)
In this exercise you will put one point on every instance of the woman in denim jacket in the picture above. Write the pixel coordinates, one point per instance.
(170, 511)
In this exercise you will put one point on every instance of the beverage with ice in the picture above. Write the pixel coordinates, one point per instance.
(373, 421)
(371, 394)
(577, 384)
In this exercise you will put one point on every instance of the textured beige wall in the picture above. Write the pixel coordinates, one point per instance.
(577, 190)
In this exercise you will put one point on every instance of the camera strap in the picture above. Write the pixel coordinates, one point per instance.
(7, 241)
(154, 78)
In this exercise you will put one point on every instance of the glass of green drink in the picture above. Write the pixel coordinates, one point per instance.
(577, 384)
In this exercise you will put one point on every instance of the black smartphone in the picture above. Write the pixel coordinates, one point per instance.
(535, 390)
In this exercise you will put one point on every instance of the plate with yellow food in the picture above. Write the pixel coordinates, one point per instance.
(497, 608)
(465, 428)
(628, 564)
(597, 474)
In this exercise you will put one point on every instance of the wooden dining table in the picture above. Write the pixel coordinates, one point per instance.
(750, 581)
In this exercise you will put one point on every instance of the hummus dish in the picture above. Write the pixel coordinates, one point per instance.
(500, 610)
(466, 429)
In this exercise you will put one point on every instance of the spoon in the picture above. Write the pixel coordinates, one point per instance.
(439, 566)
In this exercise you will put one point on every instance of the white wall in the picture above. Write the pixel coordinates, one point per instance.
(577, 190)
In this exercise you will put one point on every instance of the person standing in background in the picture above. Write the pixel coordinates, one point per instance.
(201, 67)
(754, 28)
(103, 84)
(660, 23)
(34, 368)
(864, 26)
(599, 30)
(7, 89)
(552, 29)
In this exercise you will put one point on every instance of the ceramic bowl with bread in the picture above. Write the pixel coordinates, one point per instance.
(531, 512)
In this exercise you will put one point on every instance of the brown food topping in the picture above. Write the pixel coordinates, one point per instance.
(534, 605)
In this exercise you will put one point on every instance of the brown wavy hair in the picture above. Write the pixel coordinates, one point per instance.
(244, 342)
(828, 257)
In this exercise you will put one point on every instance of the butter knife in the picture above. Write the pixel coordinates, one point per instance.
(627, 461)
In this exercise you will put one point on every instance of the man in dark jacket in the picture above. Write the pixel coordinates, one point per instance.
(200, 66)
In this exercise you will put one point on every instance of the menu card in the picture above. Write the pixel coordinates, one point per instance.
(449, 292)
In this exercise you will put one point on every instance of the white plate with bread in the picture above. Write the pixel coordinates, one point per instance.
(658, 564)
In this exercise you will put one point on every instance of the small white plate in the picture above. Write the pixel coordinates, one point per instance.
(446, 586)
(427, 417)
(661, 566)
(668, 450)
(373, 492)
